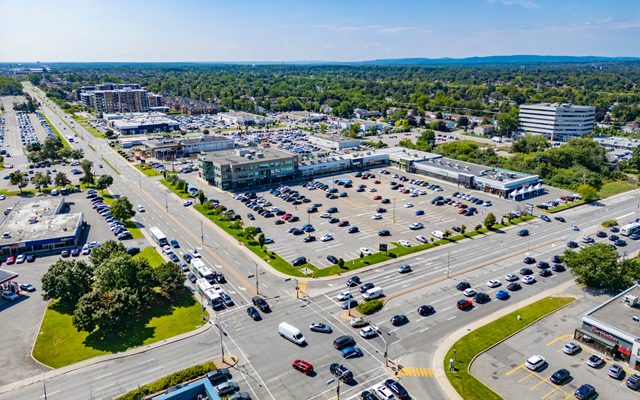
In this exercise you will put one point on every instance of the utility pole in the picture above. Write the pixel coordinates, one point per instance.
(257, 282)
(166, 203)
(201, 232)
(297, 286)
(222, 333)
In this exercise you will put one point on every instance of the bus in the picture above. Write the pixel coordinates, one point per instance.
(214, 298)
(202, 285)
(630, 229)
(201, 270)
(158, 236)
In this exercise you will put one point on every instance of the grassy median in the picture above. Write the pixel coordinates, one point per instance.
(487, 336)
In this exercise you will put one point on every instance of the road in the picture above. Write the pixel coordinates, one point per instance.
(269, 377)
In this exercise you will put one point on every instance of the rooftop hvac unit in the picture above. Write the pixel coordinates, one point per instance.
(630, 300)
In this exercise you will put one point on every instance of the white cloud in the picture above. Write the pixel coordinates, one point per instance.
(521, 3)
(389, 29)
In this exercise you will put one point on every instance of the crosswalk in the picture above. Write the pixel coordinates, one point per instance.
(417, 372)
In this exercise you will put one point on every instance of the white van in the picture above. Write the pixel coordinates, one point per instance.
(373, 293)
(438, 234)
(291, 333)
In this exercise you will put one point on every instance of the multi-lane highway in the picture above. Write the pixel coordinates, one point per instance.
(264, 367)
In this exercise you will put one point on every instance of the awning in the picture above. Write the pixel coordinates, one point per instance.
(606, 342)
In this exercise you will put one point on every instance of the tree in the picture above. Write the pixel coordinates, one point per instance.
(67, 280)
(104, 182)
(530, 144)
(588, 192)
(18, 179)
(108, 311)
(170, 279)
(463, 229)
(446, 234)
(341, 262)
(123, 271)
(462, 121)
(61, 179)
(205, 132)
(87, 169)
(490, 221)
(41, 179)
(108, 249)
(201, 197)
(508, 121)
(261, 239)
(122, 209)
(598, 267)
(634, 162)
(50, 148)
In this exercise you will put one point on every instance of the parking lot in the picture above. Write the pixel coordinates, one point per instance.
(502, 368)
(373, 208)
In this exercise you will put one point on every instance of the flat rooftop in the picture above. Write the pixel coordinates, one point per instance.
(336, 137)
(37, 220)
(483, 171)
(6, 276)
(252, 155)
(618, 314)
(404, 153)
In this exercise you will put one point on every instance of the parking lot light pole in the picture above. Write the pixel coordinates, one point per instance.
(386, 347)
(166, 203)
(201, 232)
(297, 286)
(257, 282)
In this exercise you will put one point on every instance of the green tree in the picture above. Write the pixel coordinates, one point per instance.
(463, 229)
(104, 181)
(588, 192)
(18, 179)
(598, 267)
(122, 209)
(462, 121)
(108, 249)
(67, 280)
(341, 262)
(61, 179)
(261, 239)
(51, 147)
(43, 180)
(122, 271)
(87, 169)
(634, 162)
(170, 278)
(489, 221)
(108, 311)
(530, 144)
(201, 197)
(508, 121)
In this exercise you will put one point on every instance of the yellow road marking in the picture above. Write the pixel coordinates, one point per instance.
(522, 379)
(550, 393)
(563, 337)
(302, 286)
(542, 380)
(514, 370)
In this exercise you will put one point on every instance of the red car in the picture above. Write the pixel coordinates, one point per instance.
(286, 217)
(11, 260)
(377, 182)
(343, 223)
(303, 366)
(377, 197)
(464, 304)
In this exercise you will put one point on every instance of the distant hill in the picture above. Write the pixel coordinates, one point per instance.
(514, 59)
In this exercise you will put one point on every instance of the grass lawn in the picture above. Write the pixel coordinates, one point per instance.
(147, 170)
(612, 188)
(59, 343)
(174, 189)
(565, 206)
(151, 255)
(86, 125)
(64, 140)
(133, 228)
(488, 335)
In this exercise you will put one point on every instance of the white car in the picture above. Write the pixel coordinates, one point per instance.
(7, 295)
(369, 331)
(325, 215)
(195, 253)
(376, 216)
(494, 283)
(365, 251)
(575, 227)
(2, 197)
(373, 190)
(470, 292)
(422, 239)
(405, 243)
(535, 362)
(167, 249)
(86, 250)
(383, 392)
(408, 205)
(327, 237)
(187, 203)
(528, 279)
(345, 295)
(141, 208)
(21, 259)
(511, 277)
(94, 244)
(415, 226)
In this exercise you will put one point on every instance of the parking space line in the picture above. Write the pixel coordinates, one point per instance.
(563, 337)
(542, 381)
(552, 391)
(528, 375)
(514, 370)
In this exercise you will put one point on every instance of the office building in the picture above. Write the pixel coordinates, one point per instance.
(168, 149)
(248, 167)
(557, 121)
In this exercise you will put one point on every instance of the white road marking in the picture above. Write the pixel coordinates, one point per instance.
(103, 376)
(147, 361)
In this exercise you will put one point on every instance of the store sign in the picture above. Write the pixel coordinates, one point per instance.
(624, 351)
(604, 334)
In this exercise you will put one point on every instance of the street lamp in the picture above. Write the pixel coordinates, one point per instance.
(297, 286)
(166, 203)
(386, 347)
(222, 333)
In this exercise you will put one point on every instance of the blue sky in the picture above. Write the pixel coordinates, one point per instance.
(344, 30)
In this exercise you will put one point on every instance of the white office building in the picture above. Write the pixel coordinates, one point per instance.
(557, 121)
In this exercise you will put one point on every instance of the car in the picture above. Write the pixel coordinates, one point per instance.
(595, 361)
(377, 197)
(332, 259)
(195, 253)
(351, 303)
(545, 273)
(174, 243)
(8, 295)
(526, 271)
(187, 257)
(571, 244)
(261, 303)
(268, 241)
(309, 239)
(365, 251)
(343, 341)
(529, 260)
(535, 362)
(469, 292)
(586, 392)
(334, 220)
(523, 232)
(511, 277)
(174, 258)
(27, 287)
(588, 240)
(320, 327)
(75, 252)
(560, 219)
(227, 387)
(353, 281)
(614, 229)
(425, 310)
(615, 371)
(302, 366)
(369, 331)
(514, 286)
(528, 279)
(376, 216)
(543, 265)
(404, 243)
(367, 395)
(502, 295)
(366, 286)
(613, 238)
(633, 382)
(464, 304)
(558, 268)
(131, 250)
(344, 295)
(218, 376)
(240, 396)
(422, 239)
(343, 223)
(415, 226)
(358, 322)
(341, 372)
(85, 250)
(404, 268)
(279, 222)
(192, 277)
(482, 298)
(408, 205)
(545, 218)
(31, 258)
(419, 212)
(560, 377)
(398, 320)
(20, 259)
(253, 313)
(141, 208)
(601, 234)
(353, 229)
(571, 348)
(620, 243)
(463, 285)
(493, 283)
(384, 392)
(385, 201)
(351, 352)
(397, 388)
(326, 237)
(556, 259)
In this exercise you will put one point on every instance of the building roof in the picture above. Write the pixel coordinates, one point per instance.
(6, 276)
(207, 138)
(336, 137)
(616, 313)
(38, 220)
(246, 155)
(555, 105)
(396, 153)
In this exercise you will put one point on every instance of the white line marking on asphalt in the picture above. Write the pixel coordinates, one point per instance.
(52, 393)
(450, 318)
(102, 376)
(425, 329)
(147, 361)
(154, 369)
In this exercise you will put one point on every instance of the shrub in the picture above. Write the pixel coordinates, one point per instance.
(609, 223)
(168, 381)
(369, 307)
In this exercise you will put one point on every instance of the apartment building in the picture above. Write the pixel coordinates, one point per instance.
(557, 121)
(108, 98)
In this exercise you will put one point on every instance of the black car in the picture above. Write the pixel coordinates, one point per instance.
(560, 377)
(558, 268)
(332, 259)
(367, 395)
(334, 220)
(279, 222)
(353, 281)
(384, 232)
(613, 238)
(353, 229)
(385, 201)
(192, 277)
(398, 320)
(425, 310)
(556, 259)
(366, 286)
(463, 285)
(133, 250)
(343, 341)
(219, 375)
(261, 303)
(560, 219)
(31, 258)
(601, 234)
(545, 273)
(620, 243)
(482, 298)
(586, 392)
(543, 265)
(341, 372)
(253, 313)
(397, 389)
(381, 210)
(299, 261)
(572, 245)
(526, 271)
(309, 239)
(529, 260)
(614, 229)
(514, 286)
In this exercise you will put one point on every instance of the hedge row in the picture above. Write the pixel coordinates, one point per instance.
(369, 307)
(169, 381)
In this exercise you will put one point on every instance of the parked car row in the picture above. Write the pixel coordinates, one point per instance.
(116, 226)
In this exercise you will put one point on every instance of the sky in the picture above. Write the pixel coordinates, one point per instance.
(312, 30)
